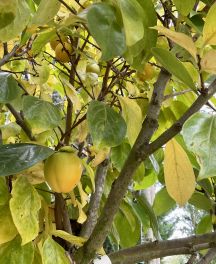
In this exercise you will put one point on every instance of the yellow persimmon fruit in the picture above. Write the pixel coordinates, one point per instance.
(147, 73)
(56, 41)
(62, 52)
(63, 171)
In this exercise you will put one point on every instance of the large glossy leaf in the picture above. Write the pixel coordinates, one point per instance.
(49, 118)
(17, 157)
(178, 173)
(53, 253)
(7, 12)
(132, 114)
(12, 252)
(24, 205)
(8, 87)
(46, 11)
(106, 126)
(200, 138)
(201, 201)
(184, 6)
(105, 28)
(173, 65)
(163, 202)
(209, 30)
(18, 24)
(132, 15)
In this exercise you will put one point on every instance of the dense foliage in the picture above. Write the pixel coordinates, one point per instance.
(121, 92)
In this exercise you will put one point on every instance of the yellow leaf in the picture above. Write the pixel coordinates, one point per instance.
(100, 156)
(34, 174)
(208, 62)
(209, 29)
(179, 38)
(74, 240)
(178, 173)
(133, 116)
(72, 94)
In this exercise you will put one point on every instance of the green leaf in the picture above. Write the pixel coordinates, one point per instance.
(138, 54)
(4, 192)
(140, 213)
(119, 155)
(132, 15)
(25, 204)
(184, 6)
(209, 29)
(205, 225)
(173, 65)
(132, 115)
(200, 201)
(104, 27)
(53, 253)
(18, 24)
(12, 252)
(7, 12)
(41, 40)
(9, 89)
(200, 138)
(106, 126)
(163, 202)
(128, 236)
(17, 157)
(141, 199)
(45, 12)
(50, 117)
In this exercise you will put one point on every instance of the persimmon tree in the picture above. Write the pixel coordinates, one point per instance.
(121, 92)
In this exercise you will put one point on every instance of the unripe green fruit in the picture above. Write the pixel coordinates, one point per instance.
(94, 68)
(63, 171)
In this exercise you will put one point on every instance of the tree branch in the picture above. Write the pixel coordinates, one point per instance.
(177, 127)
(7, 57)
(120, 185)
(21, 122)
(210, 255)
(95, 200)
(158, 249)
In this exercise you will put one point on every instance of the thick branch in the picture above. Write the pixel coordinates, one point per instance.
(210, 255)
(160, 249)
(94, 204)
(21, 122)
(120, 185)
(176, 128)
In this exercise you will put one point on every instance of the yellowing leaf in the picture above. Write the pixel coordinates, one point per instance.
(35, 174)
(179, 38)
(72, 94)
(133, 116)
(178, 173)
(24, 205)
(75, 240)
(100, 156)
(209, 29)
(208, 62)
